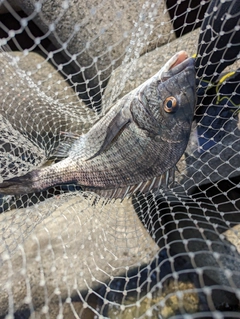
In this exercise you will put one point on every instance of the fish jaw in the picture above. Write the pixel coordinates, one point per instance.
(187, 65)
(175, 60)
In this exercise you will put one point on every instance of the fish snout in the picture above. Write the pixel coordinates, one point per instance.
(186, 65)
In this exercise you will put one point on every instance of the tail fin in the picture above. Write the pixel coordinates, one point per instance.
(18, 185)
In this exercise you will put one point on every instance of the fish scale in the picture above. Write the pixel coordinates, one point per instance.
(133, 147)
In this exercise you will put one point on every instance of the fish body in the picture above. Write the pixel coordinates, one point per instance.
(141, 138)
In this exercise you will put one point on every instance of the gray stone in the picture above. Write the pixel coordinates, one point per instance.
(65, 245)
(37, 101)
(9, 5)
(100, 35)
(127, 77)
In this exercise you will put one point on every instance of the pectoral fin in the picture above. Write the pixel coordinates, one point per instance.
(113, 131)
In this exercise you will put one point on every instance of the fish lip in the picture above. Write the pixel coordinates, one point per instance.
(187, 63)
(183, 65)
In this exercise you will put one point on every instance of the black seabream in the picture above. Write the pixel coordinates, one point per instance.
(134, 146)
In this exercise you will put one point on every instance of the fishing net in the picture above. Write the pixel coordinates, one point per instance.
(166, 253)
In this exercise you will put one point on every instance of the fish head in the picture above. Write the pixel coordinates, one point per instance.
(170, 98)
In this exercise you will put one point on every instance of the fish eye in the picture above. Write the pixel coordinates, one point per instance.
(170, 104)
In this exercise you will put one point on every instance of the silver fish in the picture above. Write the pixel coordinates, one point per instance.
(134, 146)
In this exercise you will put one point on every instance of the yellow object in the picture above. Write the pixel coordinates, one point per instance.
(221, 80)
(225, 77)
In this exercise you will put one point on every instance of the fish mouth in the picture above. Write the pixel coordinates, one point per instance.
(179, 62)
(177, 59)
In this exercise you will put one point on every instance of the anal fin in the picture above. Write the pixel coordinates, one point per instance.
(162, 181)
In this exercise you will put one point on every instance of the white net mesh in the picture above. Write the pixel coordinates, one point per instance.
(66, 252)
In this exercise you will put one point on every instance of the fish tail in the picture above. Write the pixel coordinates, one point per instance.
(19, 185)
(39, 179)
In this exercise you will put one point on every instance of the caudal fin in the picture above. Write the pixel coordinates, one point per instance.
(18, 185)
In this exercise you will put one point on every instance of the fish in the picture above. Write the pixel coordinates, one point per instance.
(134, 147)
